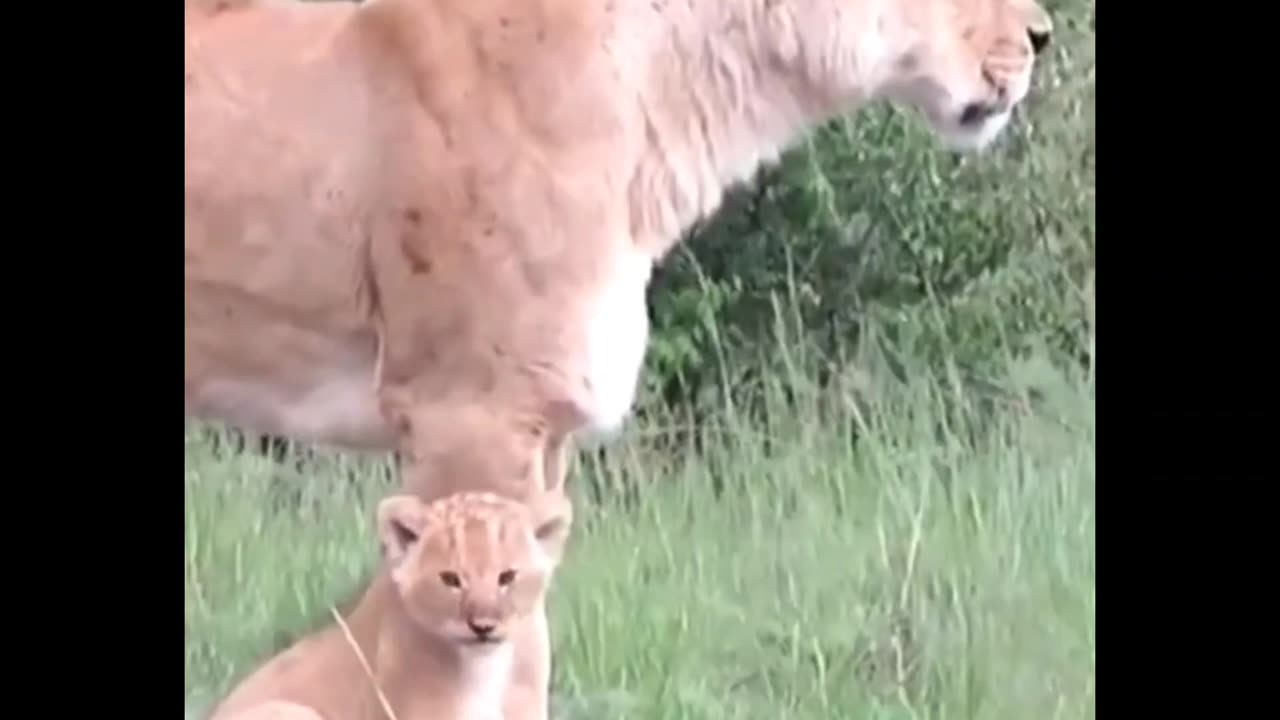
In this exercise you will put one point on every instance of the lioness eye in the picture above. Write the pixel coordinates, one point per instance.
(451, 579)
(506, 577)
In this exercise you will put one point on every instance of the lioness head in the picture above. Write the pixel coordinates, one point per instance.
(964, 64)
(470, 565)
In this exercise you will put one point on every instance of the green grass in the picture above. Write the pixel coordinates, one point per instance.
(940, 567)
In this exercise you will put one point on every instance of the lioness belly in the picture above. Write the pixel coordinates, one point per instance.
(340, 410)
(265, 372)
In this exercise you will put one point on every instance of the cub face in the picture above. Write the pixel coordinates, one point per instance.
(470, 566)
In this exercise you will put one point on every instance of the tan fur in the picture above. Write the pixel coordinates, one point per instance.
(417, 626)
(205, 8)
(276, 711)
(428, 225)
(426, 199)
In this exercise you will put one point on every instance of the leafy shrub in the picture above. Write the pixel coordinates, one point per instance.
(870, 242)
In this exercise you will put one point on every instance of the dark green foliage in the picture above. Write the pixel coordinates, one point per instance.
(869, 242)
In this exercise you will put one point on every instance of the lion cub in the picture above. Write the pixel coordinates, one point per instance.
(460, 574)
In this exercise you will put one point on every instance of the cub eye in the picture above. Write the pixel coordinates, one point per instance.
(450, 578)
(506, 577)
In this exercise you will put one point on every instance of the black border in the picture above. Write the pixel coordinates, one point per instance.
(94, 144)
(1179, 327)
(99, 123)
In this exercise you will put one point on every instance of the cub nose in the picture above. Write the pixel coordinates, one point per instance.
(482, 628)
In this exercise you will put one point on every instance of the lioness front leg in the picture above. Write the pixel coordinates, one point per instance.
(528, 695)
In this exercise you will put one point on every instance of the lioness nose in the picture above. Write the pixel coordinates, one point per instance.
(976, 112)
(482, 628)
(1039, 39)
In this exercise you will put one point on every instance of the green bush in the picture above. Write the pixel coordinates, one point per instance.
(869, 242)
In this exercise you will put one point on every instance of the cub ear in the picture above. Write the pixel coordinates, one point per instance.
(552, 531)
(401, 519)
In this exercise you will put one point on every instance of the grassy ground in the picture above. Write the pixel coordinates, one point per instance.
(931, 569)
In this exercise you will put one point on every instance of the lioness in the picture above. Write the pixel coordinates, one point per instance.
(407, 205)
(406, 212)
(460, 573)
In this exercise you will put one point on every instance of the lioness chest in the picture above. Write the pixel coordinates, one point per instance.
(272, 372)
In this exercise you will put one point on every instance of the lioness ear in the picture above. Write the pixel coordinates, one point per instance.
(401, 519)
(553, 532)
